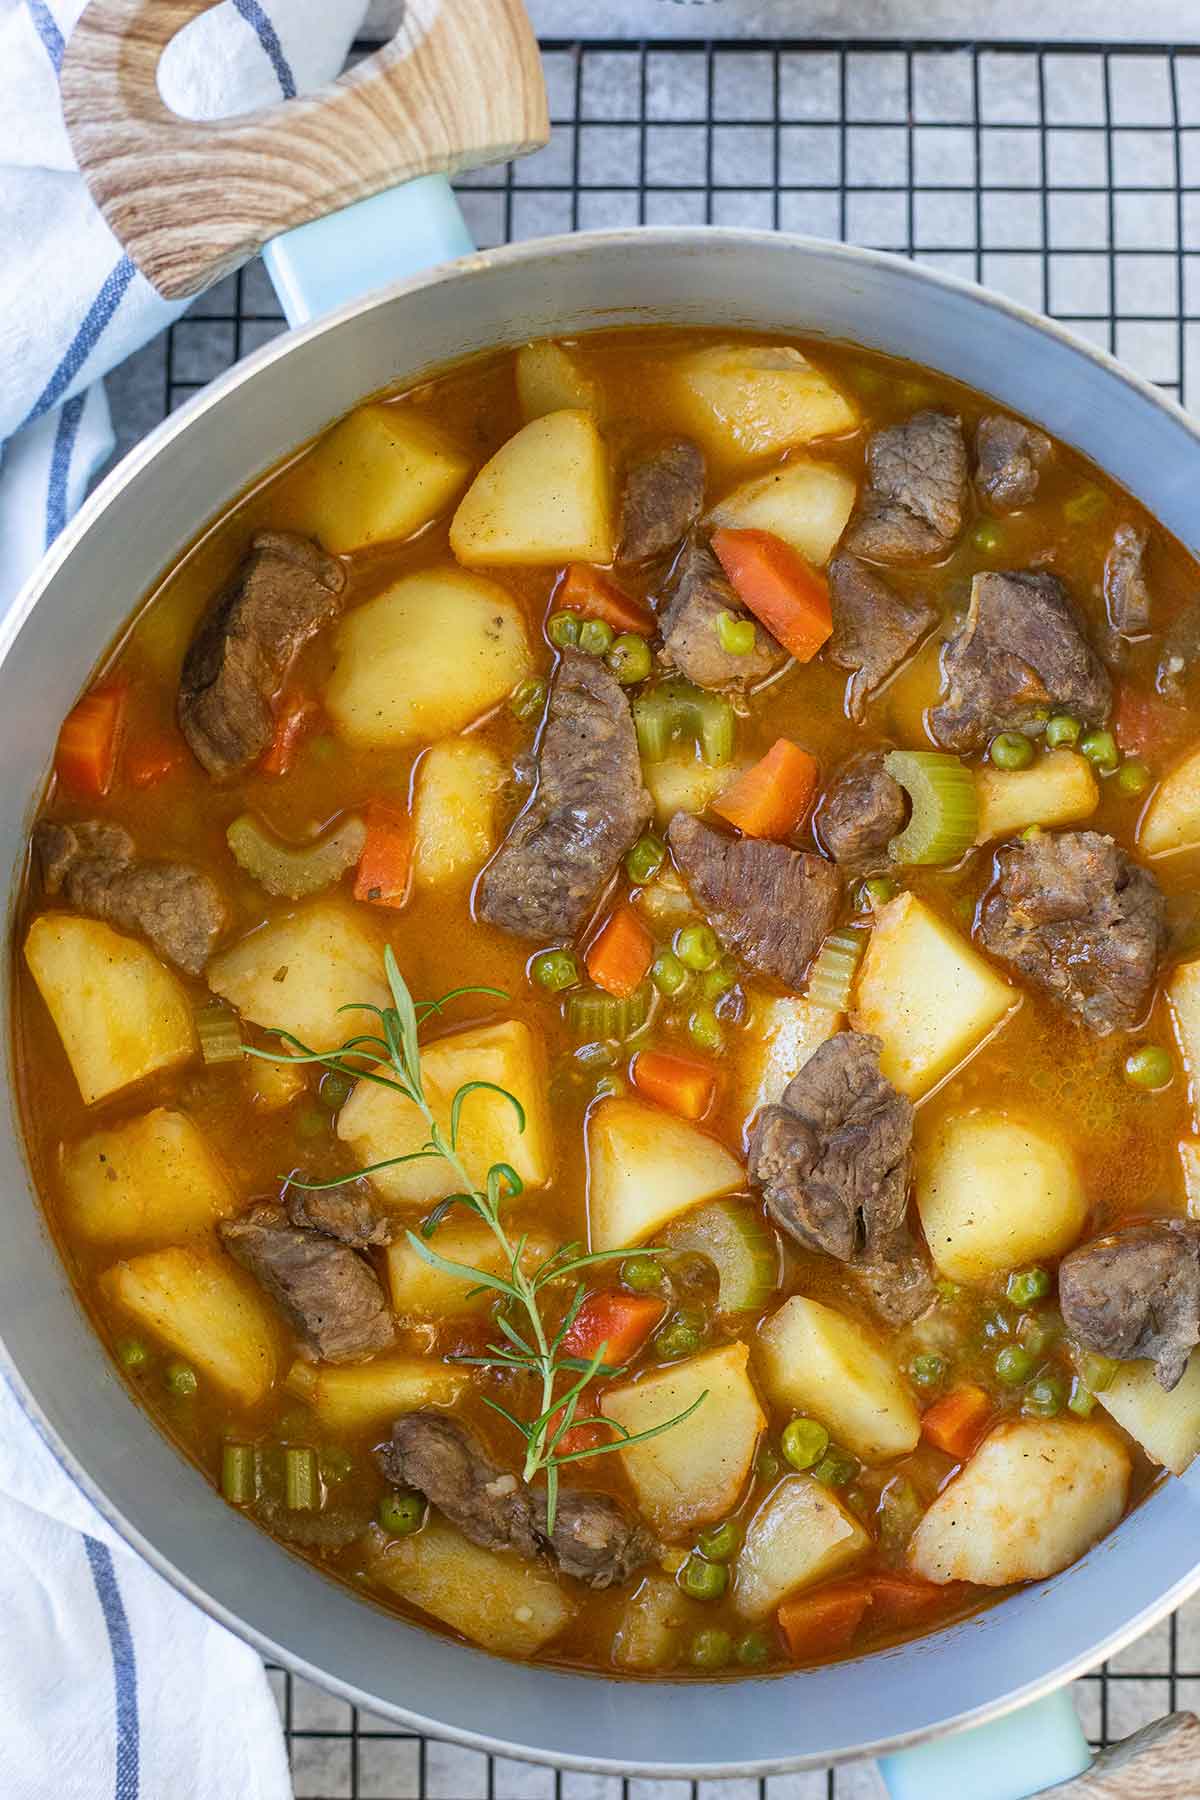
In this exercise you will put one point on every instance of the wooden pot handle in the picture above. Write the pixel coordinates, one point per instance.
(459, 85)
(1160, 1762)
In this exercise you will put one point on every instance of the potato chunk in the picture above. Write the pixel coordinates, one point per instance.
(378, 475)
(695, 1471)
(200, 1305)
(1035, 1497)
(120, 1012)
(432, 653)
(644, 1167)
(1167, 1426)
(543, 498)
(650, 1635)
(1189, 1163)
(783, 1034)
(994, 1192)
(508, 1606)
(152, 1178)
(549, 379)
(817, 1360)
(682, 783)
(925, 991)
(454, 811)
(1172, 819)
(805, 503)
(1182, 989)
(378, 1123)
(359, 1396)
(801, 1534)
(759, 399)
(1058, 789)
(419, 1291)
(294, 974)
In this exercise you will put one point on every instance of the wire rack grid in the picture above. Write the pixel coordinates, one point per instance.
(1064, 175)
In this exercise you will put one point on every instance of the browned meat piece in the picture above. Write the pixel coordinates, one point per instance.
(688, 622)
(286, 590)
(594, 1539)
(661, 499)
(770, 904)
(346, 1213)
(181, 911)
(1136, 1293)
(874, 628)
(862, 810)
(1180, 652)
(330, 1296)
(1081, 920)
(1021, 648)
(916, 491)
(589, 806)
(1009, 460)
(833, 1160)
(1126, 592)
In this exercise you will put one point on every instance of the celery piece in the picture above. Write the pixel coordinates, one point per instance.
(945, 811)
(732, 1236)
(676, 710)
(219, 1032)
(301, 1489)
(239, 1478)
(834, 968)
(291, 870)
(592, 1014)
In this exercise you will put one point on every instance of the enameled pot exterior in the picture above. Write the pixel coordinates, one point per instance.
(137, 522)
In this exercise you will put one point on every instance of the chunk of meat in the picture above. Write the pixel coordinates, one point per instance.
(588, 807)
(1020, 649)
(286, 590)
(1137, 1293)
(1009, 459)
(834, 1159)
(916, 491)
(768, 903)
(346, 1213)
(330, 1295)
(1126, 591)
(699, 594)
(861, 811)
(874, 628)
(1180, 652)
(179, 910)
(594, 1538)
(661, 499)
(1079, 918)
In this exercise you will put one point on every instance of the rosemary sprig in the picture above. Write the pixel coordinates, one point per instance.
(537, 1350)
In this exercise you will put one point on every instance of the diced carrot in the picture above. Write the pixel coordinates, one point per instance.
(589, 591)
(676, 1082)
(86, 758)
(957, 1421)
(149, 760)
(770, 799)
(386, 861)
(1143, 723)
(619, 957)
(295, 720)
(817, 1623)
(774, 582)
(900, 1601)
(588, 1432)
(622, 1322)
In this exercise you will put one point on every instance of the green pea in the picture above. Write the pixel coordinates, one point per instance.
(804, 1442)
(710, 1648)
(562, 628)
(630, 659)
(596, 637)
(1011, 750)
(928, 1370)
(1149, 1066)
(1081, 1401)
(1098, 1372)
(1035, 1333)
(1044, 1397)
(696, 946)
(836, 1468)
(401, 1514)
(336, 1463)
(1024, 1286)
(876, 892)
(1062, 729)
(595, 1056)
(132, 1354)
(720, 1542)
(718, 980)
(988, 538)
(752, 1650)
(1013, 1365)
(312, 1123)
(682, 1335)
(1133, 777)
(704, 1029)
(608, 1087)
(527, 699)
(554, 970)
(768, 1467)
(735, 636)
(181, 1379)
(642, 1274)
(335, 1089)
(703, 1580)
(668, 973)
(1100, 748)
(643, 862)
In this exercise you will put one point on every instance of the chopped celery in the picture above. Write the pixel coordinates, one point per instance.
(945, 812)
(289, 870)
(592, 1014)
(239, 1481)
(218, 1031)
(302, 1492)
(834, 969)
(676, 709)
(734, 1239)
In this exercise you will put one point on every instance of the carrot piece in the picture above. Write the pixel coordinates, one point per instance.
(1142, 722)
(901, 1601)
(619, 957)
(86, 758)
(622, 1322)
(770, 799)
(386, 861)
(586, 590)
(587, 1433)
(817, 1623)
(149, 760)
(676, 1082)
(295, 720)
(774, 582)
(957, 1421)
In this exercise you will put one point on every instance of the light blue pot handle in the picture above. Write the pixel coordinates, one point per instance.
(1023, 1753)
(397, 233)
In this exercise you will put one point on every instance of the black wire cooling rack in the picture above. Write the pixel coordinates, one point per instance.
(1065, 175)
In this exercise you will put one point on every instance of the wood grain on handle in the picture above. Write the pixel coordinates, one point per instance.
(1160, 1762)
(459, 85)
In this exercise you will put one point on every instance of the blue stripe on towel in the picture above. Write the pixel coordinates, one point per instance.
(268, 37)
(47, 30)
(85, 340)
(60, 466)
(124, 1666)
